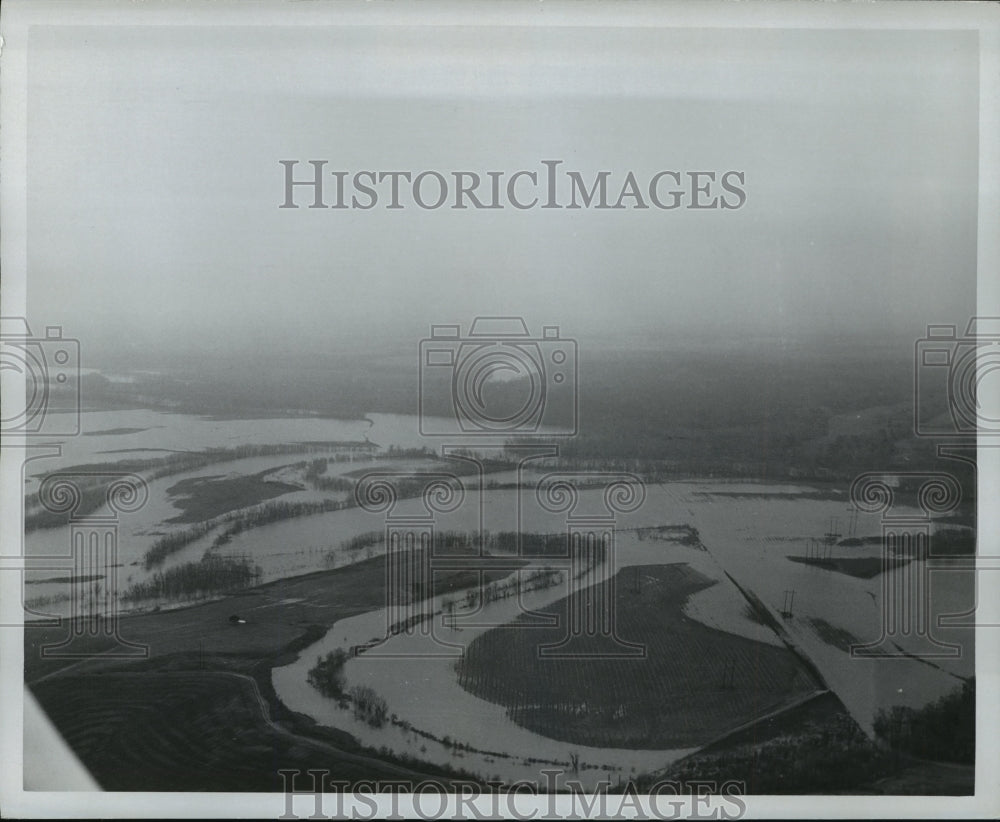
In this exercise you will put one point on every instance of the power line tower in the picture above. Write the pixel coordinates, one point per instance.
(813, 550)
(786, 607)
(833, 534)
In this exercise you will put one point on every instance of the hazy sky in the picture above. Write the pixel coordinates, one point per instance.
(154, 181)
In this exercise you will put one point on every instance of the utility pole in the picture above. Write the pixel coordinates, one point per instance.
(832, 535)
(786, 608)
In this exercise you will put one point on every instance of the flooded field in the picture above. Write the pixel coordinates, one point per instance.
(435, 717)
(750, 542)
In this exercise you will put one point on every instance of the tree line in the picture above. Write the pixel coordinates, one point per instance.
(212, 574)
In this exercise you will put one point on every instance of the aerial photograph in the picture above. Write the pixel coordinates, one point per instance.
(508, 411)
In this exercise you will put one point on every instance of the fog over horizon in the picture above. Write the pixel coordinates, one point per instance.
(154, 227)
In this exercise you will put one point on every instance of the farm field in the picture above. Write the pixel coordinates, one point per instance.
(168, 731)
(716, 661)
(694, 683)
(199, 712)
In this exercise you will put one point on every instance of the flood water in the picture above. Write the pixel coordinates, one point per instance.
(748, 529)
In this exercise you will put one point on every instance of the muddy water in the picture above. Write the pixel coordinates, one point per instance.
(749, 535)
(416, 676)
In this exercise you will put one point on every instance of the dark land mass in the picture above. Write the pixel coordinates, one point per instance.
(94, 493)
(692, 684)
(73, 579)
(793, 421)
(203, 498)
(114, 432)
(816, 748)
(860, 567)
(834, 635)
(199, 712)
